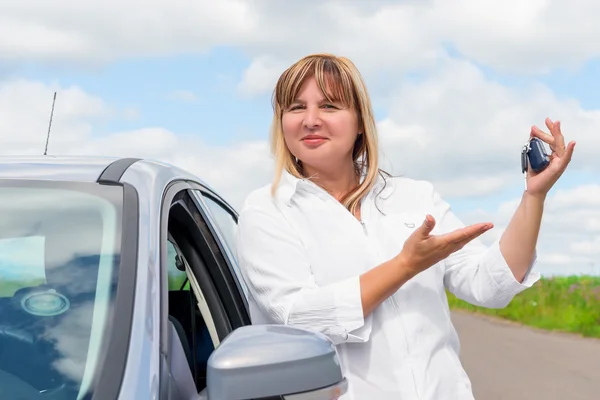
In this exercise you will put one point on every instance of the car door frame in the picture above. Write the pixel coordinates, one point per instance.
(227, 252)
(233, 311)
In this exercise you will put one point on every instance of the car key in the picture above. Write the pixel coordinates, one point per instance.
(524, 162)
(533, 155)
(538, 158)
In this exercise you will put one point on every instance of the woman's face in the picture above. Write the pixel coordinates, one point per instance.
(319, 133)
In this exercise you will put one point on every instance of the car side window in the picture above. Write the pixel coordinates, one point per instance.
(225, 222)
(177, 278)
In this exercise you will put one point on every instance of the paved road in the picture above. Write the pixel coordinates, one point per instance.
(509, 362)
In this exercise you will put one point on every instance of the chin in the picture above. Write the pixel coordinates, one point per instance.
(322, 159)
(320, 164)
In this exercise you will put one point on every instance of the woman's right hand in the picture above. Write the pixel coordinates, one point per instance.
(422, 250)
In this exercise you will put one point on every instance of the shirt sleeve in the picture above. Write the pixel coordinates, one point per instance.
(476, 273)
(275, 266)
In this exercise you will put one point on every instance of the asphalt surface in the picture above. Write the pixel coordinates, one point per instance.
(506, 361)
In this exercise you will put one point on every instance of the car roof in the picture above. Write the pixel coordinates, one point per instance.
(65, 168)
(95, 169)
(80, 168)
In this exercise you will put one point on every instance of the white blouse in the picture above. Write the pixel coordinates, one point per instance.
(301, 254)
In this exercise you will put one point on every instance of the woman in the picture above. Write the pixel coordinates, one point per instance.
(335, 245)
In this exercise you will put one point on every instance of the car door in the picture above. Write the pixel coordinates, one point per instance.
(198, 240)
(201, 300)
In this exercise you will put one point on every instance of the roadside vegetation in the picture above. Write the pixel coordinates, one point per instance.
(567, 304)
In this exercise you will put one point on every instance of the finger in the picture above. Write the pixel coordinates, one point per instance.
(559, 139)
(543, 136)
(569, 153)
(427, 226)
(468, 233)
(470, 238)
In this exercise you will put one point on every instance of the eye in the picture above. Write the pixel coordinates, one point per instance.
(329, 106)
(295, 107)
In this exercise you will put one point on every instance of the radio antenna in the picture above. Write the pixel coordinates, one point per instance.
(50, 124)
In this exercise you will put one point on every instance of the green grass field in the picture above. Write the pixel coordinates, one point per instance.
(567, 304)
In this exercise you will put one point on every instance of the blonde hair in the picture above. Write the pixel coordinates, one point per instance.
(340, 81)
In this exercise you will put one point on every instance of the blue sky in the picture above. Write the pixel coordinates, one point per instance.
(148, 85)
(174, 91)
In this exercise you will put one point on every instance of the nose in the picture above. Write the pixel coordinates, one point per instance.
(312, 118)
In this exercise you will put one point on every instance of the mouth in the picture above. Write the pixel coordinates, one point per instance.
(313, 139)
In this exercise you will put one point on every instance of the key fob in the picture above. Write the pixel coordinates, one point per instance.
(536, 155)
(524, 160)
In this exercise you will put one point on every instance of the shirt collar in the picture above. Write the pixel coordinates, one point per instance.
(289, 186)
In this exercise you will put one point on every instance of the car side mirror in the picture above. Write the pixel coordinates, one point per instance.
(262, 361)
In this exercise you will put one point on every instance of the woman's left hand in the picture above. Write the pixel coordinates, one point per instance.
(540, 184)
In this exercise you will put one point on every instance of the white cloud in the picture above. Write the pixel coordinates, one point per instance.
(232, 170)
(471, 186)
(585, 195)
(567, 242)
(261, 76)
(465, 132)
(512, 36)
(102, 31)
(587, 247)
(380, 34)
(25, 108)
(521, 36)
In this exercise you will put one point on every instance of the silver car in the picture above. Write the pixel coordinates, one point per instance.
(118, 281)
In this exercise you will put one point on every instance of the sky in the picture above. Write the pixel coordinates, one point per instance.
(456, 87)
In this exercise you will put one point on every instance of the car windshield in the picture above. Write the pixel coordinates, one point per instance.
(59, 258)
